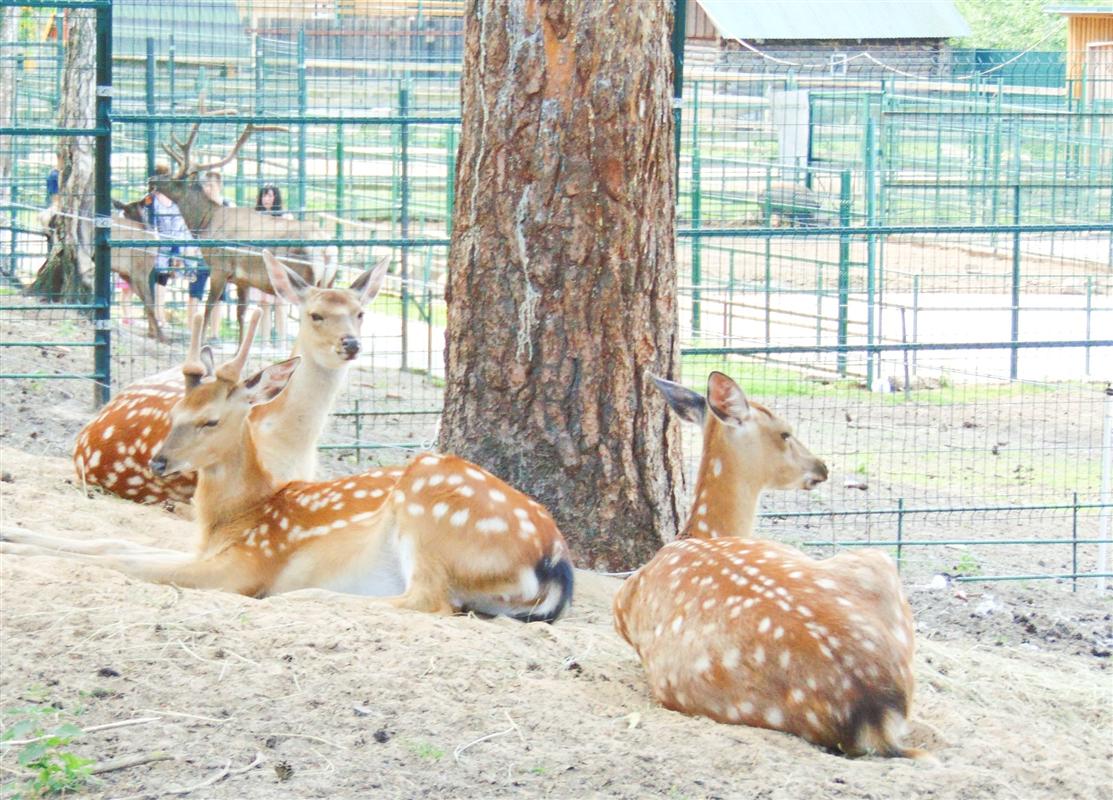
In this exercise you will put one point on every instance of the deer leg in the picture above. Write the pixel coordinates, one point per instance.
(141, 286)
(229, 570)
(21, 538)
(218, 279)
(241, 306)
(428, 591)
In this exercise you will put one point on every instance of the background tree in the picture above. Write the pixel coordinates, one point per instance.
(66, 273)
(561, 275)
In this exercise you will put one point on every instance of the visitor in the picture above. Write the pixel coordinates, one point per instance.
(269, 201)
(164, 216)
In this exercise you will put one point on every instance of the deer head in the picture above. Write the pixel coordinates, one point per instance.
(208, 424)
(330, 318)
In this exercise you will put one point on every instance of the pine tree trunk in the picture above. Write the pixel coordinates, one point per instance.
(561, 276)
(66, 276)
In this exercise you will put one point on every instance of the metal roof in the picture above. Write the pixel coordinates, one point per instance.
(835, 19)
(1104, 9)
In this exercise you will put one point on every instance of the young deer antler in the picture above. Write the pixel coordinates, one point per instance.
(232, 369)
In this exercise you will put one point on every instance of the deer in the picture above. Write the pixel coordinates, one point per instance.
(208, 219)
(134, 265)
(112, 450)
(438, 535)
(754, 632)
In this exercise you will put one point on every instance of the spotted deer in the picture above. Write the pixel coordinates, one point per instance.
(757, 633)
(113, 449)
(437, 535)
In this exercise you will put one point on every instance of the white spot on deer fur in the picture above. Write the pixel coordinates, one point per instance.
(436, 480)
(415, 509)
(826, 583)
(377, 473)
(475, 474)
(337, 506)
(842, 601)
(284, 523)
(763, 626)
(796, 574)
(361, 516)
(702, 664)
(431, 460)
(135, 480)
(677, 624)
(731, 658)
(496, 496)
(527, 527)
(492, 525)
(455, 479)
(107, 434)
(745, 708)
(417, 485)
(94, 460)
(716, 467)
(708, 603)
(459, 518)
(784, 658)
(439, 510)
(899, 634)
(350, 485)
(774, 716)
(377, 493)
(804, 611)
(702, 509)
(702, 526)
(759, 655)
(796, 696)
(826, 651)
(399, 497)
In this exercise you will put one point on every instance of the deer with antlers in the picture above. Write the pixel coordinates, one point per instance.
(112, 450)
(757, 633)
(438, 535)
(208, 219)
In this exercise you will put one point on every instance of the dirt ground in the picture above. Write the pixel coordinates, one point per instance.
(335, 696)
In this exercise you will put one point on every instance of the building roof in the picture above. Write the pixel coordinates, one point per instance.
(835, 19)
(1104, 10)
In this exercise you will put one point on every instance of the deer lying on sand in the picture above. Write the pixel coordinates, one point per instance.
(439, 535)
(239, 264)
(112, 450)
(758, 633)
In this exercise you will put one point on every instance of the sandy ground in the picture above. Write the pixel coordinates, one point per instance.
(334, 696)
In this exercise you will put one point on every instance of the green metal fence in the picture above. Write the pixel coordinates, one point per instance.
(913, 263)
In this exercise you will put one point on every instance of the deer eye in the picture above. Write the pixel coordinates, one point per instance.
(316, 317)
(212, 423)
(359, 315)
(786, 435)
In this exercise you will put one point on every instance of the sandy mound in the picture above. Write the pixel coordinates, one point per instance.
(337, 696)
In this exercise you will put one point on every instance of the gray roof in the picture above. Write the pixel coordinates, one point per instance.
(835, 19)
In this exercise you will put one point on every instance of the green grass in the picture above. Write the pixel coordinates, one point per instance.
(49, 766)
(425, 750)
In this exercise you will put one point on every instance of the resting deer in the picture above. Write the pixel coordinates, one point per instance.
(758, 633)
(208, 219)
(112, 450)
(438, 536)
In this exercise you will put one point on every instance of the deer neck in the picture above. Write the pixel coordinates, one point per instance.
(195, 206)
(289, 427)
(727, 491)
(233, 487)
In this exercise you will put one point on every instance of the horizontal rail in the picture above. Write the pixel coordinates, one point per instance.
(133, 244)
(62, 4)
(896, 347)
(1064, 576)
(894, 230)
(50, 376)
(52, 307)
(950, 510)
(16, 131)
(48, 344)
(952, 542)
(287, 119)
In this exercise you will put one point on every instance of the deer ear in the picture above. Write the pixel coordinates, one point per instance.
(268, 383)
(287, 285)
(727, 399)
(370, 282)
(688, 405)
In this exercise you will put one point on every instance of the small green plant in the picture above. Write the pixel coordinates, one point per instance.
(967, 566)
(53, 768)
(425, 750)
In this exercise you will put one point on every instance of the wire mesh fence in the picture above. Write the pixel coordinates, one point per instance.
(907, 254)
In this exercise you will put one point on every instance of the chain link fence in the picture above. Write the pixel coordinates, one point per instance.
(907, 255)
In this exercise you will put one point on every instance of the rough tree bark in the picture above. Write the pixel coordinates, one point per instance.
(561, 275)
(65, 276)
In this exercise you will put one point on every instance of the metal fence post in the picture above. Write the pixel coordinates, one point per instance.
(339, 229)
(171, 73)
(150, 98)
(14, 212)
(767, 213)
(102, 276)
(259, 67)
(844, 267)
(303, 109)
(871, 239)
(1014, 333)
(697, 212)
(679, 23)
(404, 216)
(1105, 516)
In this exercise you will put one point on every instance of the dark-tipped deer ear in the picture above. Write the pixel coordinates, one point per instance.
(370, 282)
(287, 284)
(727, 399)
(688, 405)
(268, 383)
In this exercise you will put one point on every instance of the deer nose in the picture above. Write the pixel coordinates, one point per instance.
(158, 464)
(350, 344)
(820, 471)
